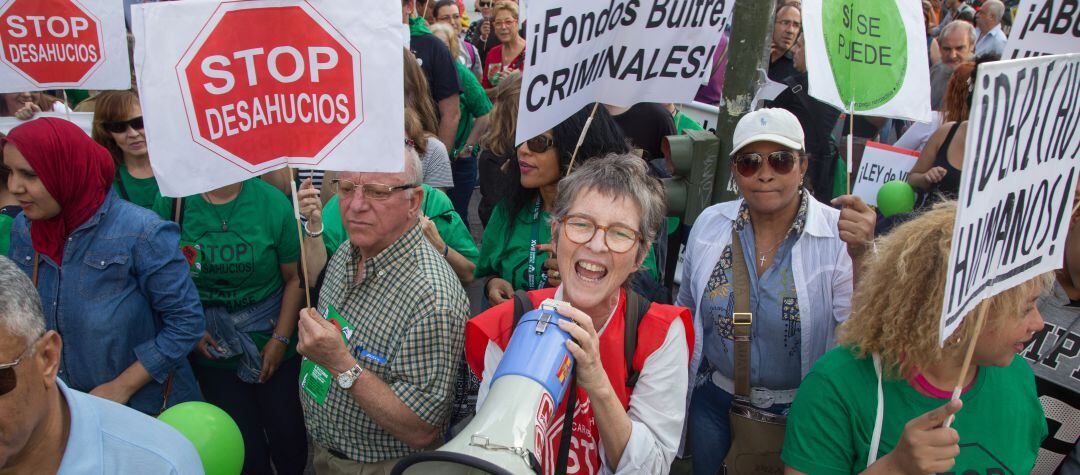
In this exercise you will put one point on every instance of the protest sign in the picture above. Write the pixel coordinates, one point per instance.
(1044, 27)
(868, 58)
(84, 120)
(626, 52)
(48, 44)
(1021, 159)
(881, 164)
(232, 90)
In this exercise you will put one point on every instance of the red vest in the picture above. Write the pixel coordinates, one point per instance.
(495, 325)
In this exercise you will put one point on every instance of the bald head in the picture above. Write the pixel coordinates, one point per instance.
(989, 15)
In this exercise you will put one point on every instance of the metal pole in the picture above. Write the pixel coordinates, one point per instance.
(751, 34)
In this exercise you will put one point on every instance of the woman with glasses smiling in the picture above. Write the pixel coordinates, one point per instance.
(795, 260)
(509, 55)
(604, 218)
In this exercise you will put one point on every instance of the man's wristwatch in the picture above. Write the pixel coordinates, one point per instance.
(345, 380)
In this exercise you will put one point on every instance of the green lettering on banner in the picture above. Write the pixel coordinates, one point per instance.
(867, 48)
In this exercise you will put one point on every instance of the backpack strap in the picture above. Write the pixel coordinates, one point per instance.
(522, 305)
(636, 307)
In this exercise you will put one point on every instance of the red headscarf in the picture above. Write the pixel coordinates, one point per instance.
(75, 170)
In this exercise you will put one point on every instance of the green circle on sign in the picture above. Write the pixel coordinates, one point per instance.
(867, 48)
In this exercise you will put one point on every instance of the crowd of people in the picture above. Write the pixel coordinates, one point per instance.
(797, 303)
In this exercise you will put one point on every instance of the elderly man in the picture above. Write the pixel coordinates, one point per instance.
(957, 45)
(395, 336)
(988, 22)
(46, 427)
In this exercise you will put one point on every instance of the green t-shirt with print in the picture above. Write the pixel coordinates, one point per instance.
(474, 104)
(237, 264)
(504, 252)
(436, 206)
(832, 420)
(143, 192)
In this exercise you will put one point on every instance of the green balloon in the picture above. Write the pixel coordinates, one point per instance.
(213, 433)
(866, 43)
(895, 197)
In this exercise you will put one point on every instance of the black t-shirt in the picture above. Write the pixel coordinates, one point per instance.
(646, 124)
(438, 66)
(782, 68)
(817, 120)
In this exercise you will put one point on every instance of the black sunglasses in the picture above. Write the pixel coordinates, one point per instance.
(748, 164)
(121, 126)
(540, 143)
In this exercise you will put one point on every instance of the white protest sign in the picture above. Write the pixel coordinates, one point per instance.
(618, 52)
(85, 120)
(1021, 160)
(870, 55)
(1044, 27)
(881, 164)
(50, 44)
(232, 90)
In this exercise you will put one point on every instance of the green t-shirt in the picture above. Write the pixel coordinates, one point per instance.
(684, 122)
(832, 420)
(504, 252)
(474, 104)
(436, 206)
(143, 192)
(5, 233)
(240, 265)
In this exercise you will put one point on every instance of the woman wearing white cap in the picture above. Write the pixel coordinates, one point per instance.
(794, 255)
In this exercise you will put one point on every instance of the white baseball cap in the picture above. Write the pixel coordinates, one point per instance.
(768, 125)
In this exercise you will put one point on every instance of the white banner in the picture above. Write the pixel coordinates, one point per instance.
(1021, 160)
(232, 90)
(870, 55)
(881, 164)
(85, 120)
(618, 52)
(1044, 27)
(51, 44)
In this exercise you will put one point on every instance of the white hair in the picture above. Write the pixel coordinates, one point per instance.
(20, 305)
(994, 7)
(968, 30)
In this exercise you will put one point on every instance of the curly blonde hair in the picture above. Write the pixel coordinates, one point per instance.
(896, 307)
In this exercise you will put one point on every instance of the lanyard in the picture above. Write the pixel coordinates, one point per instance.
(532, 251)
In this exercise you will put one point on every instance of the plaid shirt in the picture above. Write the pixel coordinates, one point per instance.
(409, 308)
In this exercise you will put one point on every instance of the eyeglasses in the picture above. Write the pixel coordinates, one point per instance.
(505, 23)
(748, 164)
(789, 24)
(540, 143)
(7, 373)
(619, 238)
(372, 191)
(121, 126)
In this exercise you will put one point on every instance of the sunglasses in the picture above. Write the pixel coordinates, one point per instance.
(484, 4)
(540, 143)
(8, 380)
(748, 164)
(121, 126)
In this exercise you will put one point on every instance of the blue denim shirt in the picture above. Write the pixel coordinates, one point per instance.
(122, 294)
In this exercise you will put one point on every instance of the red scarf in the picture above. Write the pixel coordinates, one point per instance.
(76, 171)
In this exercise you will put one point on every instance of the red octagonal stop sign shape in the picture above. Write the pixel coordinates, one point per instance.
(264, 83)
(50, 42)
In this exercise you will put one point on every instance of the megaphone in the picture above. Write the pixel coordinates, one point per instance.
(507, 435)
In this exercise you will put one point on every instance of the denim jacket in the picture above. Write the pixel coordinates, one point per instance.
(231, 332)
(122, 294)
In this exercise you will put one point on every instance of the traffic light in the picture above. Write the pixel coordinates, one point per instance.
(690, 189)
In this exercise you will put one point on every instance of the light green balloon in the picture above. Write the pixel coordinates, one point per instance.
(866, 43)
(895, 197)
(213, 433)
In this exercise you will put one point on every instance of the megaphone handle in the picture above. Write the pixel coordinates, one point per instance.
(568, 425)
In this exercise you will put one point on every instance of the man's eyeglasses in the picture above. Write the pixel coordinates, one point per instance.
(7, 373)
(619, 238)
(540, 143)
(371, 191)
(121, 126)
(748, 164)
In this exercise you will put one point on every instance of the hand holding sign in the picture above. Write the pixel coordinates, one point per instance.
(925, 446)
(856, 225)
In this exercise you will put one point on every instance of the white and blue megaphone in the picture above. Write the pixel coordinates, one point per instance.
(507, 435)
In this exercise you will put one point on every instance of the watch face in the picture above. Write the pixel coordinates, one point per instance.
(345, 380)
